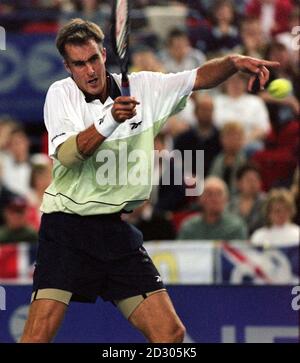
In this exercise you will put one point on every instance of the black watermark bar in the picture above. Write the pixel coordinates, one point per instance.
(133, 352)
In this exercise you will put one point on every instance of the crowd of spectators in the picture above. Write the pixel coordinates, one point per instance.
(250, 141)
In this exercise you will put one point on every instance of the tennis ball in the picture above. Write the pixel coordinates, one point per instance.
(280, 88)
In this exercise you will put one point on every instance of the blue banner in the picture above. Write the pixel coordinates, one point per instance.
(210, 314)
(244, 264)
(28, 66)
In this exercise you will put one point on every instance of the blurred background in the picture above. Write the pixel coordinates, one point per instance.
(243, 231)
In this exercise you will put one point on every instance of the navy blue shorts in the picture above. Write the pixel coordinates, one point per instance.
(93, 256)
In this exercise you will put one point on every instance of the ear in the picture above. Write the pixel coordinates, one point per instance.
(103, 53)
(67, 67)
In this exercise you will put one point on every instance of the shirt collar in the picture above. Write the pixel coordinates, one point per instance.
(113, 90)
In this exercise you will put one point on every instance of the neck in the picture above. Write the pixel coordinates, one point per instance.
(235, 95)
(205, 128)
(211, 217)
(224, 27)
(229, 157)
(20, 158)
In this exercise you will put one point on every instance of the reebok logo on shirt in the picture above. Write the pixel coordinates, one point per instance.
(135, 125)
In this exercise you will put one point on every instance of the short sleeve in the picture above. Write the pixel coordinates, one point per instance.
(164, 93)
(60, 117)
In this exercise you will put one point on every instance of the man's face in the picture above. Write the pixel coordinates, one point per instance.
(19, 146)
(86, 63)
(232, 141)
(179, 47)
(213, 199)
(250, 183)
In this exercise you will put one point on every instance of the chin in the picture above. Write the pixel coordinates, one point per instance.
(92, 91)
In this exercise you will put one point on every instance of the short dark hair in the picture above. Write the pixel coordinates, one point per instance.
(176, 33)
(78, 31)
(242, 170)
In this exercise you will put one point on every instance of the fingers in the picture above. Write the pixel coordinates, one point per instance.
(258, 68)
(263, 76)
(250, 83)
(121, 116)
(124, 108)
(126, 100)
(269, 63)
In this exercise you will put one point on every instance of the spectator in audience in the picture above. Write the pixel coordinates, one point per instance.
(224, 36)
(6, 127)
(247, 109)
(278, 160)
(204, 136)
(15, 228)
(92, 10)
(279, 230)
(273, 14)
(286, 108)
(41, 175)
(227, 162)
(215, 222)
(249, 201)
(166, 196)
(5, 196)
(16, 167)
(179, 55)
(7, 7)
(153, 224)
(290, 37)
(254, 43)
(144, 59)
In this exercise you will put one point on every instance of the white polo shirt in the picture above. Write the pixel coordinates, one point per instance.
(119, 174)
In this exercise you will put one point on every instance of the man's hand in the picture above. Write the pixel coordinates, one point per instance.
(124, 108)
(218, 70)
(255, 67)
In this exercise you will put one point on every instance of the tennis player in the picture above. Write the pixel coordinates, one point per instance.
(85, 249)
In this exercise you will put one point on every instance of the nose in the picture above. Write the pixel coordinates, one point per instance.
(90, 69)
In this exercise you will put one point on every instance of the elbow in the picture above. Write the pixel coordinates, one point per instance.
(68, 154)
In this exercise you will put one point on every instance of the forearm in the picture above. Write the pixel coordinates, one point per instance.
(88, 141)
(214, 72)
(78, 148)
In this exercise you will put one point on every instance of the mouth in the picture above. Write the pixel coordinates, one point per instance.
(93, 81)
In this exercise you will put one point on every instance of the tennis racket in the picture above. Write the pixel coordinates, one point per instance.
(120, 39)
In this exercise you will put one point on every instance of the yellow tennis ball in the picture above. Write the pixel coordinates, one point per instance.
(280, 88)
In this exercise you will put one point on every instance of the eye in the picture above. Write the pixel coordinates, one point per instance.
(78, 64)
(94, 58)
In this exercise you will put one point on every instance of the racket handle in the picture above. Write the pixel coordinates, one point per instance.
(125, 88)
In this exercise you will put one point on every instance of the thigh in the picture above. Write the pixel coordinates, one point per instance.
(156, 317)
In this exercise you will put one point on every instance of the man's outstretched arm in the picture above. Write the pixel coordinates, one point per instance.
(216, 71)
